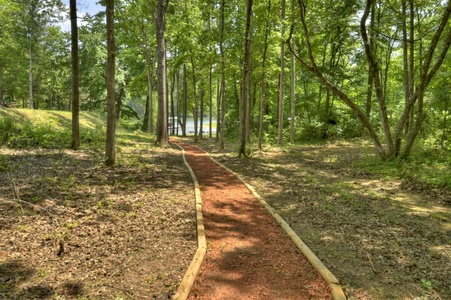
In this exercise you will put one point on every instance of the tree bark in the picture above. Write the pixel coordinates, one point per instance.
(173, 104)
(149, 71)
(293, 99)
(262, 80)
(281, 80)
(30, 75)
(201, 121)
(162, 117)
(339, 93)
(185, 101)
(2, 100)
(222, 92)
(210, 78)
(245, 95)
(110, 152)
(75, 77)
(195, 109)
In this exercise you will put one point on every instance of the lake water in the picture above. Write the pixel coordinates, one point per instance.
(190, 126)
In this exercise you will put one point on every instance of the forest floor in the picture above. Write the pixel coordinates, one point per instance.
(382, 238)
(84, 231)
(129, 231)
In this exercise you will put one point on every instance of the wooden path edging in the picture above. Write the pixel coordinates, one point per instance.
(188, 280)
(332, 281)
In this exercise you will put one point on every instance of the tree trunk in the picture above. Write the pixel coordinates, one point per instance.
(339, 93)
(195, 109)
(281, 80)
(2, 100)
(201, 121)
(75, 77)
(218, 109)
(30, 75)
(222, 92)
(185, 101)
(177, 78)
(245, 95)
(110, 152)
(293, 99)
(223, 108)
(149, 71)
(262, 80)
(119, 102)
(211, 102)
(162, 117)
(173, 105)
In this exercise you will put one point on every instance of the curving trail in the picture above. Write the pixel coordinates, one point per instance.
(248, 256)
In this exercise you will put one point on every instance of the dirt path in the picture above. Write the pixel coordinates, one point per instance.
(248, 256)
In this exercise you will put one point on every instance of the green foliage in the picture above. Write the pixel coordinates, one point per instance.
(45, 129)
(8, 129)
(4, 163)
(424, 166)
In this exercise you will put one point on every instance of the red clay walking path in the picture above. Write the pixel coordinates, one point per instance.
(248, 255)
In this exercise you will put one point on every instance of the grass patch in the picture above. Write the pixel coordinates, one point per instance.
(430, 167)
(24, 128)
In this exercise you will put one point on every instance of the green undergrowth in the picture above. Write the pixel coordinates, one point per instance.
(24, 128)
(423, 166)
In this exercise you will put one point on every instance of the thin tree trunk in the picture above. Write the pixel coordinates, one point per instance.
(218, 109)
(2, 100)
(149, 71)
(119, 102)
(172, 104)
(75, 77)
(110, 152)
(185, 101)
(428, 71)
(211, 102)
(281, 80)
(30, 75)
(377, 80)
(245, 95)
(315, 70)
(262, 80)
(369, 89)
(222, 92)
(195, 116)
(223, 108)
(177, 78)
(445, 119)
(201, 121)
(293, 99)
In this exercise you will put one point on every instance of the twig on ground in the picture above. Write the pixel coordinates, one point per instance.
(371, 262)
(15, 191)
